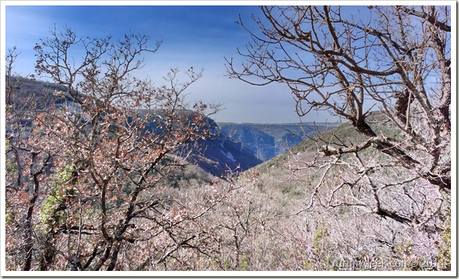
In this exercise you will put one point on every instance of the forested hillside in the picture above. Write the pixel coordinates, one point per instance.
(217, 155)
(328, 212)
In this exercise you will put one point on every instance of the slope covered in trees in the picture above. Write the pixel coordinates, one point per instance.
(300, 211)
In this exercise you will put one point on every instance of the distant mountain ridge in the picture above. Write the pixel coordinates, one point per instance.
(218, 154)
(268, 140)
(234, 147)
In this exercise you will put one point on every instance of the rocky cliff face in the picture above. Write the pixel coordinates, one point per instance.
(259, 143)
(222, 155)
(268, 140)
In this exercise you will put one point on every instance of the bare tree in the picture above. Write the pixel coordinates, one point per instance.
(397, 60)
(387, 70)
(93, 167)
(10, 59)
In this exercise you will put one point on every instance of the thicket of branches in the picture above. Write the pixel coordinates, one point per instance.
(87, 165)
(395, 60)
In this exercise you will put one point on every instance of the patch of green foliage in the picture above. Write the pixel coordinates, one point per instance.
(11, 170)
(52, 211)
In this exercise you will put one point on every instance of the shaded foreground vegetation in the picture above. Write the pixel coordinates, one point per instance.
(261, 219)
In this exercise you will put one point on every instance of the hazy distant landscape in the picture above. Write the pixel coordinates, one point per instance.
(268, 140)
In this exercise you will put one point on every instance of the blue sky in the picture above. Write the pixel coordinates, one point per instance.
(197, 36)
